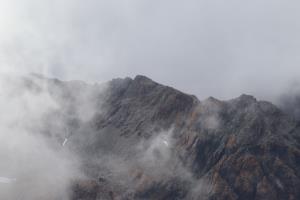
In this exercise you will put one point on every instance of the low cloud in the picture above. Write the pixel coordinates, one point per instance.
(32, 167)
(224, 48)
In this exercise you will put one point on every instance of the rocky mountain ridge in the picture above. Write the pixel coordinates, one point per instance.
(142, 140)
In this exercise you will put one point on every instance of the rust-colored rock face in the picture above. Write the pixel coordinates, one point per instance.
(149, 141)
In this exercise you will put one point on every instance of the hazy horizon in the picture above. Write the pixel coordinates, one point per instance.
(206, 48)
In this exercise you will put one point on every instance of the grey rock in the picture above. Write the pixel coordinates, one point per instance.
(237, 149)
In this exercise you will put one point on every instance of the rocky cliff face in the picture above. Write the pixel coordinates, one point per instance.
(138, 139)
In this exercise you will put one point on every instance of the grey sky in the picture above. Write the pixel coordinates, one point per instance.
(205, 47)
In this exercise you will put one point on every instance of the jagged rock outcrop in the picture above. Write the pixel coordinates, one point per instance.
(149, 141)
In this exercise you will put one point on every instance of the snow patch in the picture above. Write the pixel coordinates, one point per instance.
(65, 141)
(166, 142)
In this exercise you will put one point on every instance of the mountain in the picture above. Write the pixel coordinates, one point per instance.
(138, 139)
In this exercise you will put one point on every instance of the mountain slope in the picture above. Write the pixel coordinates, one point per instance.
(141, 140)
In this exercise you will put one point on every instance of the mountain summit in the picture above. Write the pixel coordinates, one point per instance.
(138, 139)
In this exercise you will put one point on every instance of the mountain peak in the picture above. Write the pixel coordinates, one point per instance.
(242, 147)
(243, 100)
(143, 79)
(246, 97)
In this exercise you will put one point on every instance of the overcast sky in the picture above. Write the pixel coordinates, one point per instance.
(218, 48)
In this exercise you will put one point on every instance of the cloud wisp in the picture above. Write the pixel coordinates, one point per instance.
(207, 48)
(39, 169)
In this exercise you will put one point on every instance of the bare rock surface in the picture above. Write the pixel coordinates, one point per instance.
(142, 140)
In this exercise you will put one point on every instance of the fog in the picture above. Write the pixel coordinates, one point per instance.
(208, 48)
(50, 144)
(32, 166)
